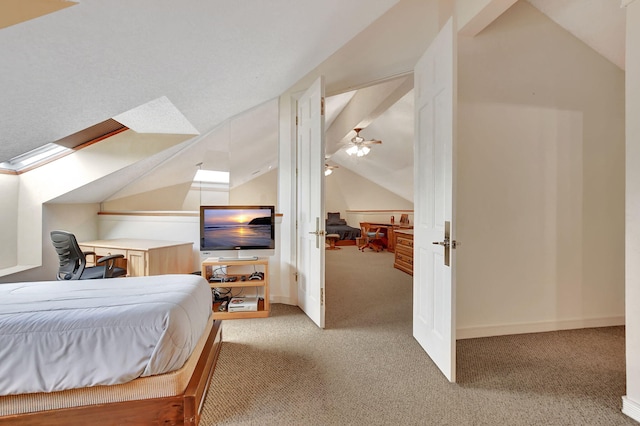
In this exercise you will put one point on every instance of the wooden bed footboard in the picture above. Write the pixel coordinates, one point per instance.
(184, 409)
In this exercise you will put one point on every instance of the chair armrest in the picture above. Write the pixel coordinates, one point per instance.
(110, 258)
(110, 264)
(90, 253)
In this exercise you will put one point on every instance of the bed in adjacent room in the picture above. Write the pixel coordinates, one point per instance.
(126, 350)
(336, 225)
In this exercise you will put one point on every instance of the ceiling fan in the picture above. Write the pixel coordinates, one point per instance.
(359, 146)
(328, 169)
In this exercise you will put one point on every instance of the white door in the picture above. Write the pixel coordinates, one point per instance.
(310, 204)
(434, 257)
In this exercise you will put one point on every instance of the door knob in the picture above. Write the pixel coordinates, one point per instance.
(318, 232)
(447, 243)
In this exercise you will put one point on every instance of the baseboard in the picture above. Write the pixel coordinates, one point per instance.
(283, 300)
(631, 408)
(537, 327)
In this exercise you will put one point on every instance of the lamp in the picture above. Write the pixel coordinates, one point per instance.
(358, 150)
(329, 169)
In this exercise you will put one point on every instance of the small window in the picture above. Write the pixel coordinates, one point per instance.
(34, 157)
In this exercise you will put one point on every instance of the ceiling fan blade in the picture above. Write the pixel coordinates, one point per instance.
(372, 142)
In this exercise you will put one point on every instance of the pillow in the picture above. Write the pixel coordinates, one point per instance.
(333, 219)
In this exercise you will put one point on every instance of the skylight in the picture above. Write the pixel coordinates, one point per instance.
(211, 176)
(35, 156)
(64, 146)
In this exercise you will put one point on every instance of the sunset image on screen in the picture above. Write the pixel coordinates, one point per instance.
(235, 228)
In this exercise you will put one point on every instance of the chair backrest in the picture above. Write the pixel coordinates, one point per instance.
(72, 259)
(404, 219)
(369, 232)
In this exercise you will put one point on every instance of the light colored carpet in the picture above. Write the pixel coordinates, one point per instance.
(365, 368)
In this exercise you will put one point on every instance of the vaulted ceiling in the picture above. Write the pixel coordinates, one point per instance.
(220, 66)
(70, 69)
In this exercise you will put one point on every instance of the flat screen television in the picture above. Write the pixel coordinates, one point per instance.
(225, 228)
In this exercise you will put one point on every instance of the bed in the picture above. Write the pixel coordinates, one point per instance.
(335, 225)
(136, 350)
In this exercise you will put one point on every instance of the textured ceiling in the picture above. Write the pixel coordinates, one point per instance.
(65, 71)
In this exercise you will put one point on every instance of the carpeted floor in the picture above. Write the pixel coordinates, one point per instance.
(365, 368)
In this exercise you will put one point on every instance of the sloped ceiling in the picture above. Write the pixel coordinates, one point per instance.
(223, 65)
(65, 71)
(600, 24)
(17, 11)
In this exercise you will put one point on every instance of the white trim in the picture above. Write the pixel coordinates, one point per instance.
(283, 300)
(631, 408)
(537, 327)
(483, 18)
(15, 269)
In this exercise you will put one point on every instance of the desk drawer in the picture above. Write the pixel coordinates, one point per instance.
(404, 241)
(404, 253)
(104, 251)
(404, 258)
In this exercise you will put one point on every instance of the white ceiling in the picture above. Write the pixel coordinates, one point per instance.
(598, 23)
(67, 70)
(222, 65)
(601, 24)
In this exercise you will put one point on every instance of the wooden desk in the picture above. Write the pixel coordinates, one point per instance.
(389, 230)
(146, 257)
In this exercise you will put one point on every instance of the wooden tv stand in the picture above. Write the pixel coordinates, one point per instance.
(237, 269)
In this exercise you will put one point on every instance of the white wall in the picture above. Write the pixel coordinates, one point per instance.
(9, 219)
(81, 219)
(262, 190)
(346, 190)
(161, 226)
(631, 403)
(541, 180)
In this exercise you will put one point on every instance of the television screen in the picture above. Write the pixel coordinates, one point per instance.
(237, 227)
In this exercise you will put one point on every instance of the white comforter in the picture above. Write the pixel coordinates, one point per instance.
(60, 335)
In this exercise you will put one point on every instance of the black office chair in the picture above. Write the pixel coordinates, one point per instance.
(73, 262)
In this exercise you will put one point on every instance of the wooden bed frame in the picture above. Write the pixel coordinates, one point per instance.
(183, 409)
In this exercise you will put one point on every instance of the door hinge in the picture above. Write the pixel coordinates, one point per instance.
(322, 106)
(296, 120)
(295, 276)
(322, 296)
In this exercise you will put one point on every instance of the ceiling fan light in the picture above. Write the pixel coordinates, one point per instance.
(327, 172)
(352, 150)
(365, 150)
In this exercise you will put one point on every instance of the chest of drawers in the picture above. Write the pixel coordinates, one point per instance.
(404, 251)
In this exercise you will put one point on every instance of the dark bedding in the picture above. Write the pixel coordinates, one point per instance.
(336, 225)
(346, 232)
